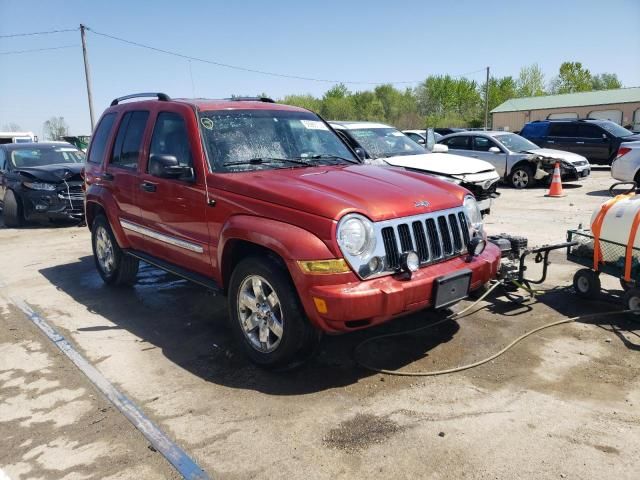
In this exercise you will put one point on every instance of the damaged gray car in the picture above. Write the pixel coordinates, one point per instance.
(519, 162)
(40, 181)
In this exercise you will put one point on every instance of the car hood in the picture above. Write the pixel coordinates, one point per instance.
(53, 173)
(444, 163)
(558, 154)
(380, 193)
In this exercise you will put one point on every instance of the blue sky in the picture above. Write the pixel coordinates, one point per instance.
(370, 41)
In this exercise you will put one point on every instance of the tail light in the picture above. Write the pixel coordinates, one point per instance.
(622, 151)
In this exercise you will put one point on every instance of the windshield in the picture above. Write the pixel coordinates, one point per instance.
(241, 140)
(516, 143)
(45, 155)
(385, 142)
(615, 129)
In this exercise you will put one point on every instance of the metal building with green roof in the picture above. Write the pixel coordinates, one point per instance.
(621, 105)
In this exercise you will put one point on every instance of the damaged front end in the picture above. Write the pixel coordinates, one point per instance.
(53, 194)
(483, 186)
(569, 170)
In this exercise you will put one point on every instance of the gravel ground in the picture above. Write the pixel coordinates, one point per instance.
(563, 404)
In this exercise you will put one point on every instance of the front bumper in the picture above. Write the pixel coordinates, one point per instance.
(570, 171)
(52, 204)
(361, 304)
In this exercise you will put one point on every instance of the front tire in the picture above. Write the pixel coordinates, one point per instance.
(12, 214)
(114, 266)
(521, 177)
(265, 312)
(586, 283)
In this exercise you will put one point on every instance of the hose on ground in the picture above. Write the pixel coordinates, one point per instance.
(470, 365)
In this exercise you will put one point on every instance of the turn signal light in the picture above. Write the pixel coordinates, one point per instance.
(323, 267)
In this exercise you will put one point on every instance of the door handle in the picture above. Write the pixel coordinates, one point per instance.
(107, 176)
(474, 156)
(579, 143)
(148, 186)
(551, 141)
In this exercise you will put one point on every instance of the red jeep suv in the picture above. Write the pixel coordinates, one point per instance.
(267, 203)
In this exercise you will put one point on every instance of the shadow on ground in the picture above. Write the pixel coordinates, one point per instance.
(189, 325)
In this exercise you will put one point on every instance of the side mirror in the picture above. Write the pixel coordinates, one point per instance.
(421, 141)
(495, 150)
(440, 148)
(167, 166)
(361, 153)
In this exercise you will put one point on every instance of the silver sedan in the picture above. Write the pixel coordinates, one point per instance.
(518, 161)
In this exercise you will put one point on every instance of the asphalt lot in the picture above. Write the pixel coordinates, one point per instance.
(563, 404)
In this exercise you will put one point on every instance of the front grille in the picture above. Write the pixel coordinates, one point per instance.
(434, 238)
(71, 191)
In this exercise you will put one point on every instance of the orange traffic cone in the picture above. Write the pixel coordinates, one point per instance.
(555, 190)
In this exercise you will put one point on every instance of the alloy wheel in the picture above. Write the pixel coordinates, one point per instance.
(520, 179)
(260, 313)
(104, 250)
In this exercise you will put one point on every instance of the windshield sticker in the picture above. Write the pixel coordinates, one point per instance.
(313, 125)
(207, 123)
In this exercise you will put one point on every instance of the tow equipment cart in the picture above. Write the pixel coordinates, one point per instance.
(598, 255)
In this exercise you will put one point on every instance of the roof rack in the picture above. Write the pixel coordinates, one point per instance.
(160, 96)
(251, 99)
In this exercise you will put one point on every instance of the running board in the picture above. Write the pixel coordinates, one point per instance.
(176, 270)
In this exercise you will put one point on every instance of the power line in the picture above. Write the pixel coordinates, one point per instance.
(38, 49)
(253, 70)
(38, 33)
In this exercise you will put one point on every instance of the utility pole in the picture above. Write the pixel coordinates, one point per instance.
(87, 75)
(486, 102)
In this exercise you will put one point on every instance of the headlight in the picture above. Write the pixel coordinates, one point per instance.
(472, 211)
(40, 186)
(355, 235)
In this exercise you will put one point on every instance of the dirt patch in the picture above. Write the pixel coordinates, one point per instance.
(360, 432)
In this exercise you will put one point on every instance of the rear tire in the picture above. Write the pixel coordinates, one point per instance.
(266, 315)
(114, 266)
(12, 213)
(632, 302)
(521, 177)
(586, 283)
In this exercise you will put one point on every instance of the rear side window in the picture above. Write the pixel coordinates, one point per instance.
(100, 137)
(458, 143)
(170, 138)
(126, 149)
(563, 130)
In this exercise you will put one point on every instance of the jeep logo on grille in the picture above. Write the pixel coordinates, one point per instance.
(421, 203)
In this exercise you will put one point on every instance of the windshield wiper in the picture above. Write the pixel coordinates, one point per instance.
(329, 156)
(261, 160)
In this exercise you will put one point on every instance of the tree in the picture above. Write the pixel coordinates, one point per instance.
(500, 90)
(55, 128)
(442, 97)
(11, 127)
(304, 101)
(530, 81)
(605, 81)
(573, 77)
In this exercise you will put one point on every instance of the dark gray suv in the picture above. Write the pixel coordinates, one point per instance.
(598, 140)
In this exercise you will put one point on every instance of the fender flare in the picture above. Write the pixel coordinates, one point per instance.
(102, 199)
(288, 241)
